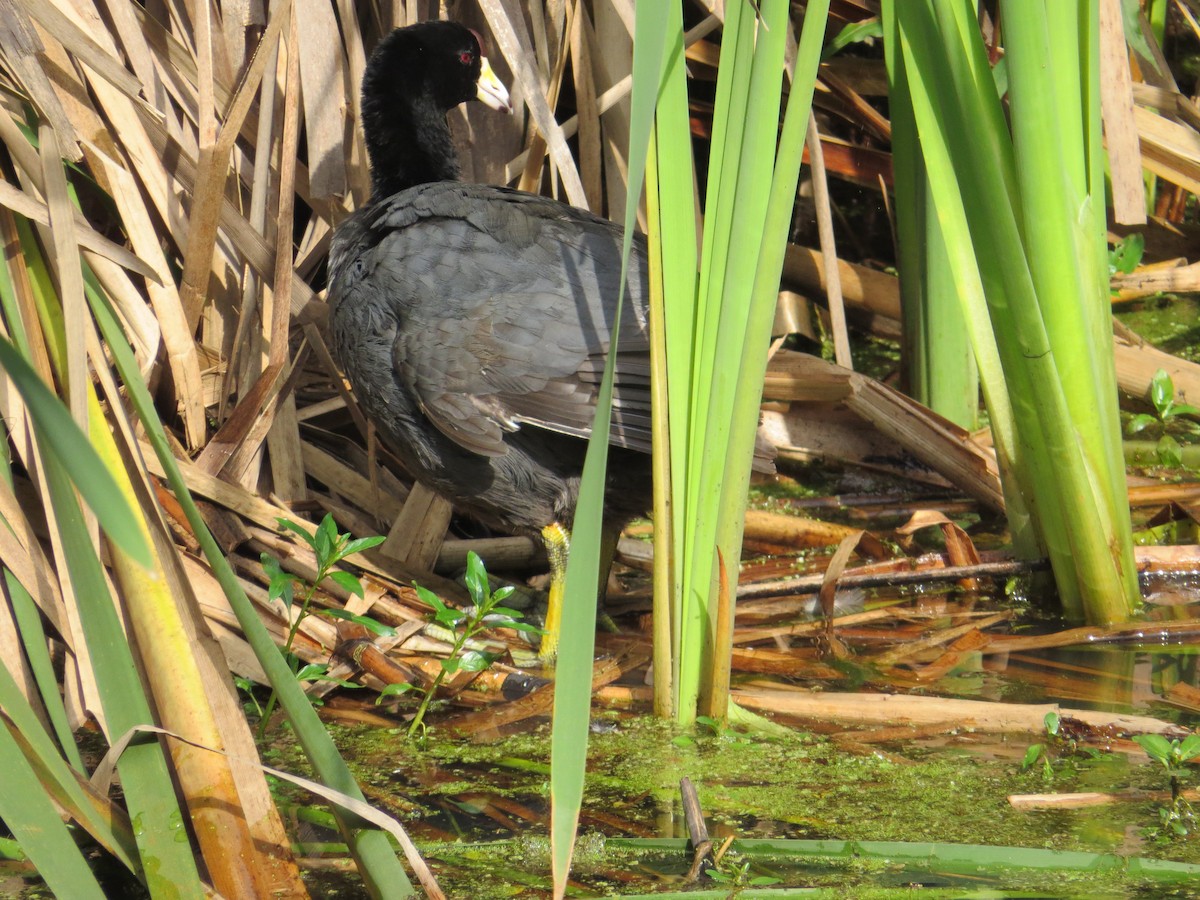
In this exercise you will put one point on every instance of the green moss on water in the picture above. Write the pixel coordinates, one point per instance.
(481, 870)
(798, 787)
(1171, 322)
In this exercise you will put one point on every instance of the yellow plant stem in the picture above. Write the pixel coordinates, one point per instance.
(558, 545)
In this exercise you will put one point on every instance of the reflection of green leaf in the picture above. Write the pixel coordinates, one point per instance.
(61, 436)
(1169, 452)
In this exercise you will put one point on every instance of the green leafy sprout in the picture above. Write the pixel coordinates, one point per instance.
(1172, 755)
(1043, 749)
(1057, 745)
(1126, 254)
(330, 548)
(484, 614)
(738, 876)
(1167, 412)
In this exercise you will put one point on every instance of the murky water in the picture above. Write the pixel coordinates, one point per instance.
(484, 806)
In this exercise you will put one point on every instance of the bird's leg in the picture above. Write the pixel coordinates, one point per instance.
(558, 544)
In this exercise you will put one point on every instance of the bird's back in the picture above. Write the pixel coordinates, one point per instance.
(473, 322)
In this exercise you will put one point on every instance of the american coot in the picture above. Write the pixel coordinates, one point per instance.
(473, 321)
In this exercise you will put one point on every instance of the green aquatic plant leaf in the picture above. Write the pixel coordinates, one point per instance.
(71, 447)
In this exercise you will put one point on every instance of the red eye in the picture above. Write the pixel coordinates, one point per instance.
(466, 57)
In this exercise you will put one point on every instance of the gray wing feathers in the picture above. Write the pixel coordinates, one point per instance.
(536, 351)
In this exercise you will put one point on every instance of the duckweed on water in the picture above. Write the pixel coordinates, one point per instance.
(800, 787)
(796, 787)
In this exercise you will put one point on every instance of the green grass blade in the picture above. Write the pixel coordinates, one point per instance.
(946, 209)
(44, 837)
(734, 73)
(56, 778)
(724, 300)
(69, 464)
(380, 868)
(733, 84)
(33, 635)
(747, 388)
(1008, 200)
(937, 355)
(708, 378)
(63, 438)
(150, 795)
(670, 202)
(573, 681)
(950, 98)
(33, 640)
(971, 858)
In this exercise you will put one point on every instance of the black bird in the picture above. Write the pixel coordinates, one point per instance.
(472, 321)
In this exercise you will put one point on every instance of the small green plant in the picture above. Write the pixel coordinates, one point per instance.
(246, 686)
(1167, 414)
(738, 877)
(330, 548)
(1126, 254)
(721, 730)
(1043, 750)
(1178, 818)
(1059, 744)
(484, 614)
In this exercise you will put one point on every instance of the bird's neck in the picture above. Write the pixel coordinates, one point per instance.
(409, 144)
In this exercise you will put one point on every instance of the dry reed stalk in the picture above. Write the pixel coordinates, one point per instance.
(957, 715)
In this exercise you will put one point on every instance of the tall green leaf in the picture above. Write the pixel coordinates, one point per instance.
(69, 445)
(376, 859)
(27, 811)
(1025, 199)
(572, 696)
